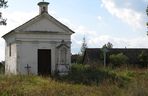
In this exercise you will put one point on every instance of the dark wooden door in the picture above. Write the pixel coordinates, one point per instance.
(44, 61)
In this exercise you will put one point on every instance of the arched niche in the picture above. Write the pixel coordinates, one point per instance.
(62, 57)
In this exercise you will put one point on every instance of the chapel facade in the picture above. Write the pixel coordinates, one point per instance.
(41, 46)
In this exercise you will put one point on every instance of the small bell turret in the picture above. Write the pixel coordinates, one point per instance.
(43, 7)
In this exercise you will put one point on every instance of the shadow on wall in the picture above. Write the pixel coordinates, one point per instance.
(2, 67)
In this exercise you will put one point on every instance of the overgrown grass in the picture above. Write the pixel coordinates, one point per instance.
(84, 74)
(41, 86)
(81, 81)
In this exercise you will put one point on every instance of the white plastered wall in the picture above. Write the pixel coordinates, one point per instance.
(10, 60)
(28, 54)
(27, 49)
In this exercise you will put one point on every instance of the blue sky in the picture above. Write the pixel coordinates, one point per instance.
(121, 22)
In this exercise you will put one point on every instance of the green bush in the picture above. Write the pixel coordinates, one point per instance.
(118, 59)
(143, 59)
(85, 74)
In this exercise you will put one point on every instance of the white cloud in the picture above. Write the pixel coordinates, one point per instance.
(145, 1)
(95, 40)
(140, 42)
(127, 15)
(99, 18)
(15, 19)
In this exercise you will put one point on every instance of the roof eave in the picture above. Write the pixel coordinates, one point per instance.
(5, 35)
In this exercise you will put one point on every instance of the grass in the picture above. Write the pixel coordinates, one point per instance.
(41, 86)
(81, 82)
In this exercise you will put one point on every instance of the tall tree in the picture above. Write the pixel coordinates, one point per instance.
(84, 46)
(3, 4)
(108, 45)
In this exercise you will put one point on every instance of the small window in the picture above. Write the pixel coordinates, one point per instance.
(10, 49)
(44, 9)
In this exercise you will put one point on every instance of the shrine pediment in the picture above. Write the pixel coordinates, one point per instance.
(43, 23)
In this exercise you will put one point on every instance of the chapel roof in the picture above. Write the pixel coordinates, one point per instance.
(41, 14)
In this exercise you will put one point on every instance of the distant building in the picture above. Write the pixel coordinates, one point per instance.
(40, 46)
(93, 55)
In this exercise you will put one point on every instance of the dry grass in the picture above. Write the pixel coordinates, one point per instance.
(41, 86)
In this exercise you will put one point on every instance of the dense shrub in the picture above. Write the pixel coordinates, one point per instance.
(118, 59)
(143, 59)
(85, 74)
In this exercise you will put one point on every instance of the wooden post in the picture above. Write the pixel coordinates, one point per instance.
(104, 59)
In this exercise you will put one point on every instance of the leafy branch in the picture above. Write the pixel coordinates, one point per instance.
(3, 4)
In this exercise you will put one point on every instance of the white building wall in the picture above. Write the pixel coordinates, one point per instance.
(27, 49)
(24, 48)
(10, 60)
(29, 55)
(38, 37)
(26, 55)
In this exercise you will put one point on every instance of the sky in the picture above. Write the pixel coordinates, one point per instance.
(121, 22)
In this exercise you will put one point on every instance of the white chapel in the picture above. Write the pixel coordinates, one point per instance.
(41, 46)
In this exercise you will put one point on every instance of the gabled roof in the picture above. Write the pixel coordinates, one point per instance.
(92, 54)
(37, 18)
